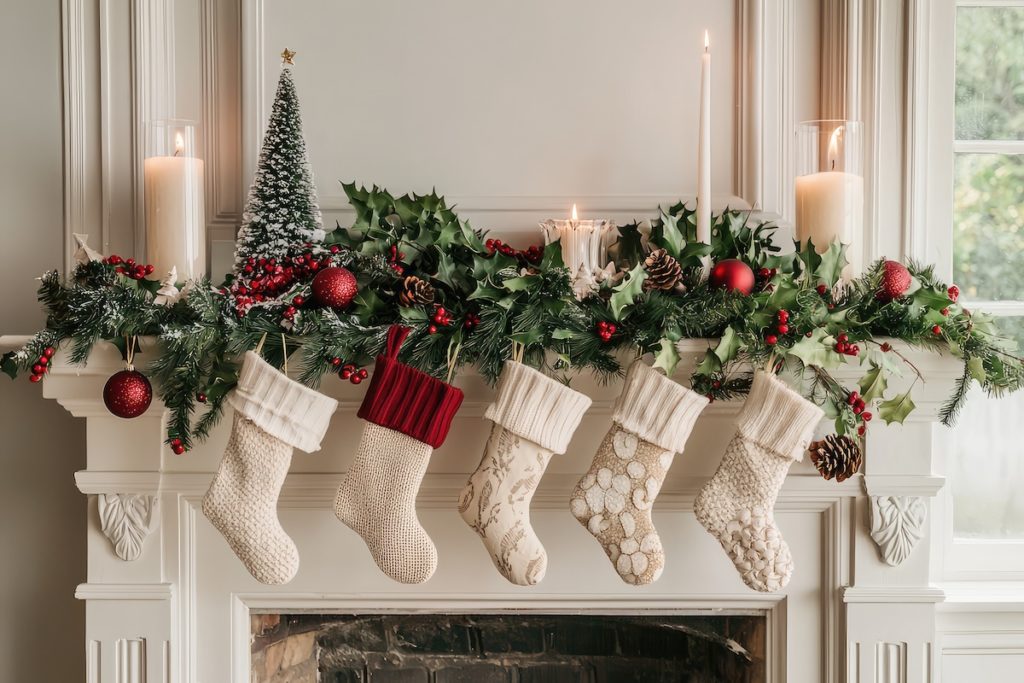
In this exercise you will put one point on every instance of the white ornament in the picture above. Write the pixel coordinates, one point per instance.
(83, 252)
(168, 294)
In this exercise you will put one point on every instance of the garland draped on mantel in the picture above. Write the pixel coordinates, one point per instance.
(473, 300)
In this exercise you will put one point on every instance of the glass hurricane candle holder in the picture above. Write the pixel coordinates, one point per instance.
(175, 209)
(830, 187)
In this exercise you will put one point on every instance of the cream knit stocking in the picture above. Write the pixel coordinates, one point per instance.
(408, 414)
(273, 414)
(534, 417)
(736, 505)
(652, 420)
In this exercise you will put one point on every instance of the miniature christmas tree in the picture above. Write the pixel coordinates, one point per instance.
(281, 212)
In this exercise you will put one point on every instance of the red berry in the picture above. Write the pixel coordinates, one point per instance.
(149, 269)
(842, 337)
(201, 397)
(35, 378)
(49, 351)
(854, 397)
(299, 300)
(43, 360)
(716, 384)
(936, 329)
(335, 248)
(866, 417)
(335, 361)
(178, 450)
(38, 369)
(363, 373)
(130, 262)
(783, 316)
(854, 350)
(345, 374)
(771, 340)
(783, 328)
(886, 347)
(822, 289)
(860, 430)
(858, 409)
(114, 260)
(945, 311)
(356, 379)
(764, 273)
(809, 334)
(432, 329)
(175, 442)
(840, 347)
(953, 292)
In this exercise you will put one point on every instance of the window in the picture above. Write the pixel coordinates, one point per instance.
(985, 466)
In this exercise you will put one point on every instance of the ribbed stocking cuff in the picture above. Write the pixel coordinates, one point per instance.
(657, 409)
(536, 407)
(280, 406)
(778, 418)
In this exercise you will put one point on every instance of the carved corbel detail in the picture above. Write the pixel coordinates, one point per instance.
(897, 524)
(127, 519)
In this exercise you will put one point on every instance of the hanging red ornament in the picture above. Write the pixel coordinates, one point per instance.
(127, 393)
(734, 275)
(895, 281)
(334, 287)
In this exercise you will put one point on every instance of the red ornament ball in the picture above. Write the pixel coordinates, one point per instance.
(895, 281)
(334, 287)
(734, 275)
(127, 394)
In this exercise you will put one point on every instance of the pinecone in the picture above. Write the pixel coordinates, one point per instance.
(416, 292)
(836, 456)
(663, 271)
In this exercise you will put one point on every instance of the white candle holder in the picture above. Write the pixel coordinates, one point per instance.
(584, 251)
(175, 208)
(830, 187)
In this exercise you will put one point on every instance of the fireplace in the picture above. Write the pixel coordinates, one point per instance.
(511, 647)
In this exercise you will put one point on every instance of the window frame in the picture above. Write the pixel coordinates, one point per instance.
(960, 559)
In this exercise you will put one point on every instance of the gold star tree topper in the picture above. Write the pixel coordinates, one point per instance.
(287, 56)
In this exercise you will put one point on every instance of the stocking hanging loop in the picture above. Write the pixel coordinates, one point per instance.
(396, 336)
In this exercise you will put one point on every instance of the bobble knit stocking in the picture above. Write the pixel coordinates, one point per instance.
(534, 417)
(652, 420)
(409, 414)
(736, 505)
(273, 414)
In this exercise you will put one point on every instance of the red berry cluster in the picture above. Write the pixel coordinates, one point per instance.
(177, 447)
(394, 260)
(442, 318)
(764, 275)
(471, 321)
(42, 364)
(953, 293)
(858, 406)
(844, 346)
(781, 327)
(937, 330)
(349, 371)
(128, 267)
(605, 331)
(532, 254)
(822, 289)
(266, 278)
(201, 397)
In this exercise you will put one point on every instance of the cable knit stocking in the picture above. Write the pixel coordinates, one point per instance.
(534, 417)
(652, 420)
(409, 414)
(273, 414)
(736, 505)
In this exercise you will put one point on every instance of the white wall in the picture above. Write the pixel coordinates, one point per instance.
(42, 515)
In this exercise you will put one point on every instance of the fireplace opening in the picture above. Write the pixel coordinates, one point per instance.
(517, 647)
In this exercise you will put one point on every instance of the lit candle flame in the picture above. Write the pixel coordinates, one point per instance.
(833, 148)
(179, 144)
(707, 41)
(575, 215)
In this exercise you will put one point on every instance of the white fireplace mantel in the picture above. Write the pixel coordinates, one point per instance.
(167, 601)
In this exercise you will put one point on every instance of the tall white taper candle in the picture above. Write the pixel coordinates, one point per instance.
(704, 148)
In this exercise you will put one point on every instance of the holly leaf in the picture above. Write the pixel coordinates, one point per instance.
(896, 409)
(667, 357)
(367, 305)
(728, 346)
(628, 250)
(830, 269)
(8, 366)
(667, 235)
(817, 350)
(626, 292)
(889, 362)
(709, 366)
(873, 384)
(522, 284)
(552, 257)
(976, 368)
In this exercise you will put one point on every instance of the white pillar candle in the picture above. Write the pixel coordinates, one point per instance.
(584, 251)
(175, 214)
(830, 207)
(704, 148)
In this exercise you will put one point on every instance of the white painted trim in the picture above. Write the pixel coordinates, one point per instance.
(916, 227)
(125, 591)
(73, 41)
(903, 485)
(253, 90)
(893, 594)
(988, 146)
